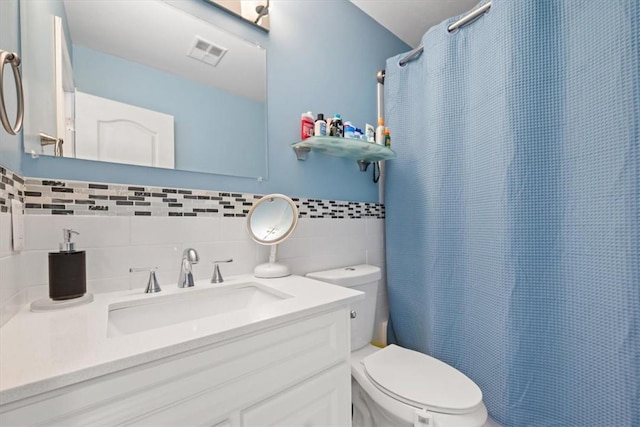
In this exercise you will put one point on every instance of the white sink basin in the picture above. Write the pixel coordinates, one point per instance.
(130, 317)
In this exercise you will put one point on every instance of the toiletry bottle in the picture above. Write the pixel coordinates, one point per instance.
(67, 270)
(370, 133)
(336, 126)
(320, 128)
(349, 130)
(387, 137)
(380, 131)
(306, 125)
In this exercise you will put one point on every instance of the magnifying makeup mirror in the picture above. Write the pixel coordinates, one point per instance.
(270, 221)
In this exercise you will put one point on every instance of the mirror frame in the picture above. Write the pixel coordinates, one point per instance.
(289, 231)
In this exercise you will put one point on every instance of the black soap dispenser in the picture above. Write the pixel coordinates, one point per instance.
(67, 270)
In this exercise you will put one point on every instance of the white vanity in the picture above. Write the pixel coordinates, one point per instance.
(247, 352)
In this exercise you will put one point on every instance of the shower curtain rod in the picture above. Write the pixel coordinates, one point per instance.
(451, 28)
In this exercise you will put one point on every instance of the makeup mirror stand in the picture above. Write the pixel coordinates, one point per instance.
(271, 221)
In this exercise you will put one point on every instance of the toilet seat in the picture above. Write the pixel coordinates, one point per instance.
(421, 381)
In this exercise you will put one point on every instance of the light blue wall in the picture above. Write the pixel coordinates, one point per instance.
(201, 113)
(324, 65)
(10, 145)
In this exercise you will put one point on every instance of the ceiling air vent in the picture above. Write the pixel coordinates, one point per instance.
(206, 52)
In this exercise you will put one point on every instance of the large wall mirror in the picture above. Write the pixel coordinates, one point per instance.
(143, 83)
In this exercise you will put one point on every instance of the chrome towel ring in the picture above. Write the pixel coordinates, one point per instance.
(14, 60)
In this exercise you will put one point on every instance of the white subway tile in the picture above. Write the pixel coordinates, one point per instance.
(6, 248)
(111, 284)
(37, 292)
(349, 244)
(376, 256)
(375, 241)
(115, 262)
(108, 262)
(375, 226)
(234, 229)
(114, 244)
(261, 253)
(167, 230)
(100, 232)
(304, 265)
(348, 258)
(11, 277)
(348, 227)
(242, 253)
(35, 268)
(44, 232)
(292, 248)
(165, 257)
(316, 227)
(321, 246)
(154, 230)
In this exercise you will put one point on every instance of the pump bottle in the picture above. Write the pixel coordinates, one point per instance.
(67, 270)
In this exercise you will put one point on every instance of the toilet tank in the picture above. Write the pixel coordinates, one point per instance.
(363, 278)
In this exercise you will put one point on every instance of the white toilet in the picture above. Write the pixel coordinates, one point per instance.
(395, 386)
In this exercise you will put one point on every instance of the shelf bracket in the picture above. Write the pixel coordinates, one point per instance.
(302, 152)
(363, 165)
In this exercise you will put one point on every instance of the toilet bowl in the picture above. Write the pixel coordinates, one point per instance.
(394, 386)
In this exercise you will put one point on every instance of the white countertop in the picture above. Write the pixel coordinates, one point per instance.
(40, 352)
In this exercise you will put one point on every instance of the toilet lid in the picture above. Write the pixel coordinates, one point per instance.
(422, 381)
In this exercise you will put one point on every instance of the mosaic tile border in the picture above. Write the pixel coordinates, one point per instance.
(62, 197)
(11, 187)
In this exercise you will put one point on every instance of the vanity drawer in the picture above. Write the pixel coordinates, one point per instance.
(233, 374)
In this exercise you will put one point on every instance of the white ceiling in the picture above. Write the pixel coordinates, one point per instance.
(410, 19)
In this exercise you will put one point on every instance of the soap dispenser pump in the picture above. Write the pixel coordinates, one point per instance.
(67, 270)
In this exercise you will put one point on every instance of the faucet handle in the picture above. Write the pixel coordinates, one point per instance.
(152, 284)
(217, 276)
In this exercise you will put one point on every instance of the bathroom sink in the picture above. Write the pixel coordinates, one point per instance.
(130, 317)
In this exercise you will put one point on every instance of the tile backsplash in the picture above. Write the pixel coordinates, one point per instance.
(123, 226)
(12, 284)
(51, 197)
(11, 186)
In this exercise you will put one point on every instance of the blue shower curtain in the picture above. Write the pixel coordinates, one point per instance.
(512, 208)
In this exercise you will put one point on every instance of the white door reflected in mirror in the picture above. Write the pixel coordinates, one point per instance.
(116, 132)
(270, 221)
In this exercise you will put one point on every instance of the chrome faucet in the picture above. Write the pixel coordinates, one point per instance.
(189, 257)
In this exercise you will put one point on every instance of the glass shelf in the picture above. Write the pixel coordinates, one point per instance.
(349, 148)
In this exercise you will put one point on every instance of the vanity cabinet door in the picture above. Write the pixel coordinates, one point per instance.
(308, 383)
(324, 400)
